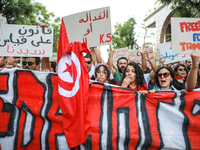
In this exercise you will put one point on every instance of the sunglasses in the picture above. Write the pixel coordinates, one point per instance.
(104, 72)
(29, 63)
(165, 75)
(88, 62)
(182, 69)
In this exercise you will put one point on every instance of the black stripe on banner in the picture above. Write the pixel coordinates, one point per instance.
(145, 120)
(125, 111)
(107, 91)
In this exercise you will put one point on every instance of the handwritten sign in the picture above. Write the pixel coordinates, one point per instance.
(122, 52)
(92, 27)
(166, 53)
(26, 41)
(185, 35)
(137, 56)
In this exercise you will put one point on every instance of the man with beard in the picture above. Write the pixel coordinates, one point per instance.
(31, 63)
(121, 65)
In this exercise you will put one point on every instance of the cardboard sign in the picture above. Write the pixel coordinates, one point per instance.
(138, 58)
(92, 27)
(122, 52)
(121, 118)
(166, 53)
(26, 41)
(185, 35)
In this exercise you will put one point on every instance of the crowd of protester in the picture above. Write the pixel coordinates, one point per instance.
(127, 73)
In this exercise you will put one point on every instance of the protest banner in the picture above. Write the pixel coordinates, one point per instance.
(26, 41)
(185, 35)
(166, 52)
(92, 27)
(122, 52)
(120, 118)
(137, 56)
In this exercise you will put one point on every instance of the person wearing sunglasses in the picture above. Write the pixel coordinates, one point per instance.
(90, 59)
(31, 63)
(133, 77)
(180, 76)
(102, 74)
(164, 78)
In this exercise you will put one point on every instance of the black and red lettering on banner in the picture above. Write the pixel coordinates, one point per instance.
(120, 118)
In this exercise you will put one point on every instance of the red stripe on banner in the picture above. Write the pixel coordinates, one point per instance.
(27, 96)
(192, 110)
(3, 83)
(53, 115)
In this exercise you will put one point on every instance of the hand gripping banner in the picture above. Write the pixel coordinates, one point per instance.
(121, 119)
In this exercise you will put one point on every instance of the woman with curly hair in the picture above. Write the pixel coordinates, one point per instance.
(133, 77)
(102, 74)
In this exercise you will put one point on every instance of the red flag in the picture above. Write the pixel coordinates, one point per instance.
(73, 88)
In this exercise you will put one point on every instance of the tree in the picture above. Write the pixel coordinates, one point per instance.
(184, 8)
(24, 12)
(124, 35)
(28, 13)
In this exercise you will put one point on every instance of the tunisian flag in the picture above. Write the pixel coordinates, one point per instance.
(73, 88)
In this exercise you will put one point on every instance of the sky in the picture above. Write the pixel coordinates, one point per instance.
(120, 12)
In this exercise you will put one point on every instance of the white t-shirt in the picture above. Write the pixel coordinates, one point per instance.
(147, 78)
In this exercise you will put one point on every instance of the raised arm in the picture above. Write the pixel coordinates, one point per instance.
(130, 58)
(153, 65)
(110, 59)
(192, 76)
(93, 55)
(98, 56)
(142, 52)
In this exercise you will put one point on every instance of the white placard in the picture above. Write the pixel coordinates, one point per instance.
(122, 52)
(185, 35)
(26, 41)
(137, 56)
(92, 27)
(166, 53)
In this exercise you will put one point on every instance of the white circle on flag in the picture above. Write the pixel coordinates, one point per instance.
(66, 77)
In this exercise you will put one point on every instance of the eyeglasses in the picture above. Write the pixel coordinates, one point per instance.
(104, 72)
(88, 62)
(165, 75)
(182, 69)
(29, 63)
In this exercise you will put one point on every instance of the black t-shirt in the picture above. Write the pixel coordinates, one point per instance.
(178, 85)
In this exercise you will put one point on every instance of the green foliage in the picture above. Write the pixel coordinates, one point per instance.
(28, 13)
(124, 35)
(184, 8)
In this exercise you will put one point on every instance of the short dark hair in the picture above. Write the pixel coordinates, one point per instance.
(37, 59)
(170, 71)
(122, 58)
(177, 66)
(88, 56)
